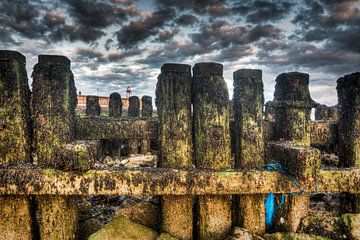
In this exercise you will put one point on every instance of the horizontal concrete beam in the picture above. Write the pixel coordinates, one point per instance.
(96, 128)
(157, 181)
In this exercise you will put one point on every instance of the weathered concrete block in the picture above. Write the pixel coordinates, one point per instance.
(146, 213)
(115, 105)
(348, 88)
(54, 101)
(97, 128)
(212, 144)
(15, 218)
(293, 236)
(323, 225)
(122, 228)
(58, 217)
(324, 135)
(15, 128)
(134, 106)
(173, 100)
(249, 151)
(92, 106)
(146, 106)
(15, 141)
(352, 225)
(305, 161)
(323, 112)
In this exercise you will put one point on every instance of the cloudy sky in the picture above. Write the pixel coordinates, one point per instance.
(118, 43)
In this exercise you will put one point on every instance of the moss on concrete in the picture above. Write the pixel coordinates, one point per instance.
(122, 228)
(173, 100)
(115, 105)
(212, 144)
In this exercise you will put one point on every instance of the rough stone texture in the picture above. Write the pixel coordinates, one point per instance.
(54, 102)
(133, 146)
(324, 225)
(352, 225)
(115, 105)
(249, 151)
(305, 162)
(293, 236)
(88, 227)
(122, 228)
(269, 111)
(173, 101)
(146, 213)
(15, 129)
(323, 112)
(212, 144)
(82, 154)
(154, 181)
(292, 106)
(243, 234)
(145, 146)
(15, 141)
(324, 135)
(165, 236)
(15, 218)
(57, 217)
(348, 89)
(97, 128)
(146, 106)
(134, 106)
(92, 106)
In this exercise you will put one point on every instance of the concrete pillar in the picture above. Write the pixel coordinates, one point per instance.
(54, 102)
(92, 106)
(146, 106)
(115, 105)
(348, 90)
(212, 144)
(249, 151)
(269, 111)
(134, 106)
(133, 146)
(323, 112)
(15, 141)
(173, 101)
(292, 108)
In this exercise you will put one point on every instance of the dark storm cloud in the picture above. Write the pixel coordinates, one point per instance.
(137, 31)
(74, 33)
(98, 14)
(233, 53)
(222, 34)
(337, 22)
(167, 35)
(115, 57)
(198, 6)
(309, 56)
(267, 11)
(186, 19)
(54, 19)
(21, 17)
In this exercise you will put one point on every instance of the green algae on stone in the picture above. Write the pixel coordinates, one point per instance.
(15, 123)
(292, 108)
(15, 141)
(115, 105)
(293, 236)
(146, 106)
(249, 151)
(92, 106)
(15, 218)
(212, 144)
(58, 217)
(134, 106)
(54, 101)
(323, 224)
(173, 100)
(165, 236)
(352, 225)
(122, 228)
